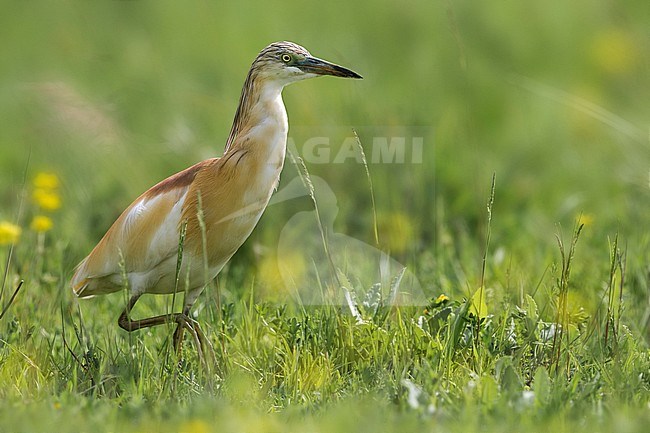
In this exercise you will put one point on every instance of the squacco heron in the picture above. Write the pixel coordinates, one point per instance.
(215, 203)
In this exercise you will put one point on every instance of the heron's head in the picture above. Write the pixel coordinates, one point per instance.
(286, 62)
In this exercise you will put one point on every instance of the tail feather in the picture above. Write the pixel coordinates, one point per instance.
(80, 290)
(79, 281)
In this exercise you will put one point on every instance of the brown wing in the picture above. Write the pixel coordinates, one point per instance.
(144, 235)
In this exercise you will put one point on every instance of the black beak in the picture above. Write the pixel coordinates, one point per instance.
(317, 66)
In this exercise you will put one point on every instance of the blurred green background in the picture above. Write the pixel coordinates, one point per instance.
(552, 97)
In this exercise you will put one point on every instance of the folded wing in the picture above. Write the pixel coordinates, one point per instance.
(145, 235)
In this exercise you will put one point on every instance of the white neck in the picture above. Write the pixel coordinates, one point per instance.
(260, 102)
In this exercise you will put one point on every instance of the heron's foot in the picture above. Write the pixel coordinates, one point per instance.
(202, 344)
(184, 323)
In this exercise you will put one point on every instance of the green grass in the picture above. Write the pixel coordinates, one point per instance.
(546, 321)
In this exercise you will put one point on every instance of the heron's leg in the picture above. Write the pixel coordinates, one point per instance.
(186, 323)
(130, 325)
(183, 320)
(183, 326)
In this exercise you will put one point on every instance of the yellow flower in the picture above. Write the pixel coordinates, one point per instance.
(47, 181)
(46, 200)
(195, 426)
(41, 223)
(614, 51)
(396, 232)
(279, 274)
(585, 219)
(9, 233)
(440, 299)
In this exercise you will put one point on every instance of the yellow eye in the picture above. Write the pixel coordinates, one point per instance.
(286, 58)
